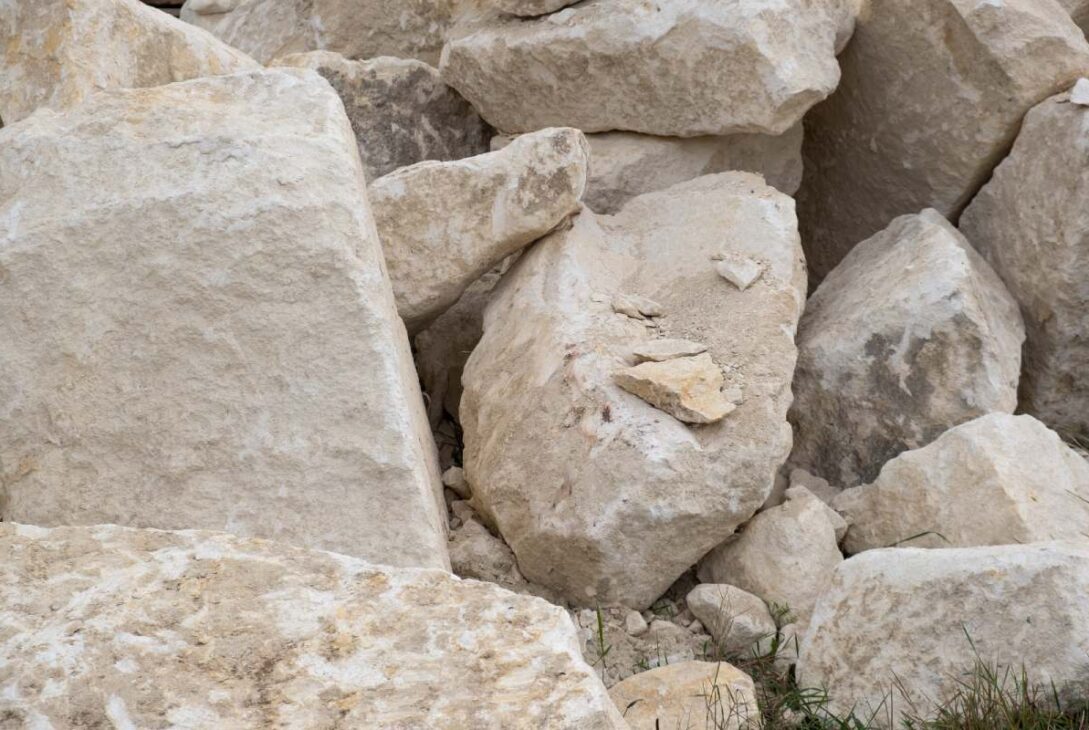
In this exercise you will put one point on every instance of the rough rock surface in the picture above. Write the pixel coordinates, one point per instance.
(54, 53)
(1030, 223)
(915, 619)
(602, 496)
(208, 339)
(1079, 11)
(445, 224)
(995, 480)
(358, 29)
(932, 95)
(532, 8)
(688, 695)
(912, 334)
(785, 555)
(112, 627)
(679, 68)
(401, 111)
(478, 554)
(736, 619)
(687, 388)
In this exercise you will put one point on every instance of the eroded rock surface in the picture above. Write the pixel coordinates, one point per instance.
(736, 619)
(688, 695)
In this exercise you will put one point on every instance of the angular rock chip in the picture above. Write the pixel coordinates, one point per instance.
(742, 273)
(687, 388)
(736, 619)
(932, 95)
(917, 622)
(57, 52)
(679, 68)
(208, 339)
(137, 628)
(532, 8)
(1030, 223)
(912, 334)
(661, 350)
(401, 111)
(688, 695)
(995, 480)
(602, 496)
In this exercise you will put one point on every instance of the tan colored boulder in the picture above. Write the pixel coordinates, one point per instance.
(208, 338)
(912, 334)
(891, 141)
(1030, 223)
(911, 625)
(687, 388)
(55, 53)
(602, 496)
(681, 68)
(688, 695)
(401, 111)
(995, 480)
(736, 619)
(137, 628)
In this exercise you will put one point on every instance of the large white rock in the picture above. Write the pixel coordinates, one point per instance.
(445, 224)
(912, 334)
(113, 627)
(54, 53)
(401, 111)
(674, 67)
(602, 496)
(995, 480)
(1030, 223)
(917, 621)
(933, 92)
(688, 695)
(198, 329)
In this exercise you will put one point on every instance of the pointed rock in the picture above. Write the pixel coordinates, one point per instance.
(742, 273)
(687, 388)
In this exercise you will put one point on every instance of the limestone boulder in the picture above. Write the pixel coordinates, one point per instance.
(931, 99)
(909, 624)
(208, 338)
(1029, 223)
(57, 52)
(688, 695)
(912, 334)
(445, 224)
(401, 111)
(681, 68)
(601, 495)
(113, 627)
(736, 619)
(995, 480)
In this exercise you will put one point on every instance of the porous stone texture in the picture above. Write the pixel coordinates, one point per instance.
(1030, 223)
(55, 53)
(736, 619)
(112, 627)
(688, 695)
(358, 29)
(601, 495)
(401, 111)
(198, 328)
(445, 224)
(912, 334)
(531, 8)
(680, 68)
(916, 622)
(891, 142)
(995, 480)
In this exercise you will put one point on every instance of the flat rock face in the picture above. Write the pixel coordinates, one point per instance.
(687, 388)
(891, 142)
(912, 334)
(445, 224)
(208, 339)
(1030, 224)
(996, 480)
(112, 627)
(358, 29)
(678, 68)
(401, 111)
(602, 496)
(688, 695)
(57, 52)
(902, 618)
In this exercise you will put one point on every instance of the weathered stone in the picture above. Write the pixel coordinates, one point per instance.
(932, 95)
(912, 334)
(662, 350)
(916, 622)
(532, 8)
(55, 53)
(602, 496)
(445, 224)
(679, 68)
(635, 306)
(477, 553)
(401, 111)
(995, 480)
(820, 487)
(635, 624)
(1079, 12)
(1030, 223)
(688, 695)
(739, 272)
(687, 388)
(113, 627)
(198, 329)
(737, 619)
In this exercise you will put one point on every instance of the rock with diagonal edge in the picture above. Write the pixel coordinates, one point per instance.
(687, 388)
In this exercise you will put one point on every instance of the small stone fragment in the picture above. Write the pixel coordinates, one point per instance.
(635, 624)
(736, 619)
(636, 307)
(684, 695)
(739, 272)
(662, 350)
(1080, 93)
(687, 388)
(454, 479)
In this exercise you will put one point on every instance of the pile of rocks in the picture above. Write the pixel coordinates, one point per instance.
(469, 363)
